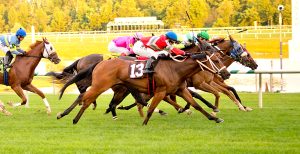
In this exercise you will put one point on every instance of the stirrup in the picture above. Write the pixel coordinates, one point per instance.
(7, 66)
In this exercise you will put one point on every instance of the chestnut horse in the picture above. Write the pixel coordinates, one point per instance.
(22, 71)
(230, 51)
(169, 79)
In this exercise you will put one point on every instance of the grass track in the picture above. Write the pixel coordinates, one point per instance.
(273, 129)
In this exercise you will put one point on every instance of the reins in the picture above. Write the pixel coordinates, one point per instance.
(214, 69)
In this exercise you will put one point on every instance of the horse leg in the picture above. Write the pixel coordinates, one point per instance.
(120, 94)
(19, 91)
(140, 110)
(208, 88)
(229, 94)
(89, 97)
(69, 109)
(33, 89)
(207, 103)
(3, 110)
(169, 100)
(158, 96)
(238, 98)
(185, 94)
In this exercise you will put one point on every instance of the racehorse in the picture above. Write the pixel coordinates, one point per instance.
(230, 51)
(227, 46)
(22, 71)
(169, 79)
(76, 67)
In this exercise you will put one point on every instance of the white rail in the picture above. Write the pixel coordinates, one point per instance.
(260, 72)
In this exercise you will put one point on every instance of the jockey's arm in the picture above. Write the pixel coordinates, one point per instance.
(17, 51)
(177, 51)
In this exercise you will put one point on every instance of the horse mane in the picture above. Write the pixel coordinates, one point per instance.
(37, 42)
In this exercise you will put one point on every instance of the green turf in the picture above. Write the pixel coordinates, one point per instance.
(273, 129)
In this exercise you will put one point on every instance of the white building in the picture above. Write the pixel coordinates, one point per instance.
(135, 23)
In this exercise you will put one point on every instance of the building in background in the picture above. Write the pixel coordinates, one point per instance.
(135, 23)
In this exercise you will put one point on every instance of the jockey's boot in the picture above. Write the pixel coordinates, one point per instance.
(148, 67)
(6, 62)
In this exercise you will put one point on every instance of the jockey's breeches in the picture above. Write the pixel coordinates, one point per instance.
(141, 50)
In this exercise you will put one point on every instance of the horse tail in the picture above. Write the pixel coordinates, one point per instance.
(66, 74)
(80, 76)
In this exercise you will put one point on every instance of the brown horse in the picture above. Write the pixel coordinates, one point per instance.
(169, 79)
(120, 91)
(230, 51)
(226, 47)
(22, 71)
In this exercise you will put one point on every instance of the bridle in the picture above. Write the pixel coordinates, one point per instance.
(42, 55)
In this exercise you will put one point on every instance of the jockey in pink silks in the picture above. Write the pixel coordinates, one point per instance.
(123, 45)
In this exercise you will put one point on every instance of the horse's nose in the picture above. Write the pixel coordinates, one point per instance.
(57, 61)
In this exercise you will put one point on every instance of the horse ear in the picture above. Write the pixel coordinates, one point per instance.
(45, 40)
(230, 37)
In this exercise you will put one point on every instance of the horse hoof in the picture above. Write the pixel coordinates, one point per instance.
(10, 103)
(74, 121)
(248, 109)
(58, 115)
(214, 113)
(120, 107)
(219, 120)
(180, 110)
(242, 108)
(188, 111)
(7, 113)
(115, 118)
(216, 110)
(48, 111)
(163, 114)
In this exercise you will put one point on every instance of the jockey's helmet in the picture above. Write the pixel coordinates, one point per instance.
(172, 36)
(21, 32)
(203, 34)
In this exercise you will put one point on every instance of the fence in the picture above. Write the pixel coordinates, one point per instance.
(260, 72)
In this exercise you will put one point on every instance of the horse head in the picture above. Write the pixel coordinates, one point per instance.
(49, 52)
(236, 51)
(209, 60)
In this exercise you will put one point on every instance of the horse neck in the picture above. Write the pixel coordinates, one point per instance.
(32, 58)
(185, 69)
(227, 61)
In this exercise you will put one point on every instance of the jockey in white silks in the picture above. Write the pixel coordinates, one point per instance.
(154, 46)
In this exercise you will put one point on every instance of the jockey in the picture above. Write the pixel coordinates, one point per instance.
(153, 46)
(203, 35)
(124, 44)
(10, 44)
(189, 39)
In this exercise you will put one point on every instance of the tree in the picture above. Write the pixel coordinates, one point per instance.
(224, 13)
(59, 22)
(176, 14)
(128, 8)
(199, 12)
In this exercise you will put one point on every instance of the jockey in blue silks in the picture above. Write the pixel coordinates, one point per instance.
(10, 44)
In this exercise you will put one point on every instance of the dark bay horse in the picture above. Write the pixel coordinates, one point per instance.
(169, 79)
(22, 71)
